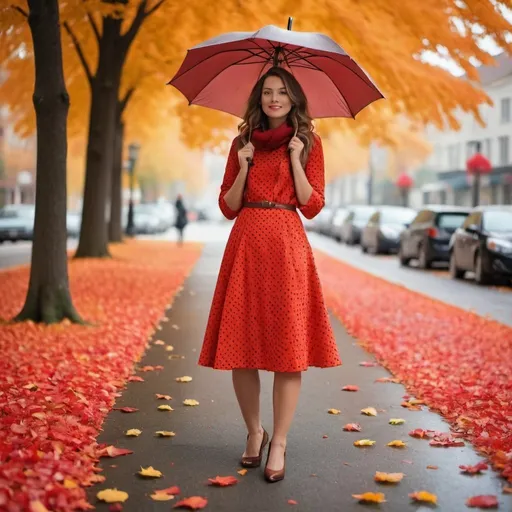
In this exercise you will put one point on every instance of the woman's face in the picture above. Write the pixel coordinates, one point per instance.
(275, 102)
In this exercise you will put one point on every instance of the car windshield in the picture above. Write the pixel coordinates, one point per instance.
(451, 220)
(398, 216)
(499, 220)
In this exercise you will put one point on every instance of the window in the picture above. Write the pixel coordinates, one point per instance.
(505, 110)
(487, 148)
(498, 220)
(453, 156)
(503, 143)
(451, 220)
(423, 216)
(472, 220)
(398, 216)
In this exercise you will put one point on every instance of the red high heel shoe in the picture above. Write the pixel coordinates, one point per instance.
(272, 475)
(255, 462)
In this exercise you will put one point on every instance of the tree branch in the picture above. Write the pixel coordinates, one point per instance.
(154, 8)
(80, 52)
(136, 23)
(125, 100)
(20, 10)
(94, 26)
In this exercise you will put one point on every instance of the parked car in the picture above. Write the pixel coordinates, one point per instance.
(354, 223)
(17, 222)
(323, 220)
(339, 215)
(483, 245)
(427, 238)
(382, 232)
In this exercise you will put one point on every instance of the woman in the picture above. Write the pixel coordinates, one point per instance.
(181, 218)
(268, 312)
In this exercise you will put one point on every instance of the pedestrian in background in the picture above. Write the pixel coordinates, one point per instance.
(268, 311)
(181, 218)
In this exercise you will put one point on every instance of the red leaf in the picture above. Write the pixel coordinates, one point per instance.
(193, 503)
(223, 481)
(350, 388)
(293, 502)
(135, 378)
(125, 409)
(352, 427)
(477, 468)
(483, 501)
(170, 490)
(368, 363)
(115, 507)
(112, 451)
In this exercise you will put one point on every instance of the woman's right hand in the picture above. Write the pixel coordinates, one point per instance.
(246, 152)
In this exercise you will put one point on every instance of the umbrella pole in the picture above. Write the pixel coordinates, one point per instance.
(290, 21)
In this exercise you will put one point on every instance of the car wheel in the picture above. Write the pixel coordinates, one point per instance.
(423, 260)
(455, 272)
(481, 277)
(404, 262)
(364, 248)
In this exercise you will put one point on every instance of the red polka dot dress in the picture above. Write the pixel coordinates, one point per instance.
(268, 310)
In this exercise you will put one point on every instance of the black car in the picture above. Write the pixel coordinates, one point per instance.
(483, 245)
(354, 223)
(382, 233)
(427, 238)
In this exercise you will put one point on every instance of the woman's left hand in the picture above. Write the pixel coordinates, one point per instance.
(296, 146)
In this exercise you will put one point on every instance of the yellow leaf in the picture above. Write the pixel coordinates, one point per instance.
(174, 326)
(364, 442)
(242, 472)
(392, 478)
(37, 506)
(371, 497)
(159, 342)
(150, 471)
(396, 421)
(369, 411)
(31, 387)
(190, 401)
(112, 496)
(334, 411)
(161, 496)
(169, 348)
(165, 408)
(176, 356)
(424, 496)
(165, 433)
(69, 484)
(184, 379)
(39, 415)
(135, 432)
(397, 443)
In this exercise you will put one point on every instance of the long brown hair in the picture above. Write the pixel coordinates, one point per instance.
(298, 116)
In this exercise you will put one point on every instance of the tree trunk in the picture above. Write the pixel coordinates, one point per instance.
(115, 225)
(93, 241)
(48, 299)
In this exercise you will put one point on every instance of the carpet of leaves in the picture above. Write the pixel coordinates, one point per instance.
(458, 363)
(59, 382)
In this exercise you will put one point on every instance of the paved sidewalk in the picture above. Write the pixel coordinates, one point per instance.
(322, 473)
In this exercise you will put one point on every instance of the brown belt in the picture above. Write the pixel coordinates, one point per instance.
(269, 204)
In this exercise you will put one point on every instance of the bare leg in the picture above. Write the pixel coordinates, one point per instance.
(247, 390)
(285, 396)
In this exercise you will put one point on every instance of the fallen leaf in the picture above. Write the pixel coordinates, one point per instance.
(70, 484)
(37, 506)
(477, 468)
(482, 501)
(292, 502)
(159, 342)
(242, 472)
(364, 442)
(150, 472)
(391, 478)
(125, 409)
(112, 495)
(223, 481)
(424, 496)
(369, 411)
(163, 397)
(432, 467)
(190, 402)
(174, 326)
(446, 441)
(397, 444)
(507, 490)
(161, 497)
(176, 356)
(370, 497)
(184, 379)
(334, 411)
(115, 507)
(411, 406)
(325, 436)
(368, 363)
(31, 387)
(169, 348)
(135, 432)
(396, 421)
(135, 378)
(165, 408)
(165, 433)
(169, 490)
(112, 451)
(388, 379)
(405, 461)
(193, 503)
(350, 388)
(352, 427)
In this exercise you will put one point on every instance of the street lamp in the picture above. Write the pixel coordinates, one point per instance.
(133, 153)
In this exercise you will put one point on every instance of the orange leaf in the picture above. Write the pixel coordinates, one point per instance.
(170, 490)
(163, 397)
(370, 497)
(477, 468)
(193, 503)
(423, 496)
(125, 409)
(223, 481)
(350, 388)
(293, 502)
(392, 478)
(352, 427)
(483, 501)
(432, 467)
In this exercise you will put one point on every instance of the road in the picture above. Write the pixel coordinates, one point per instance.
(495, 302)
